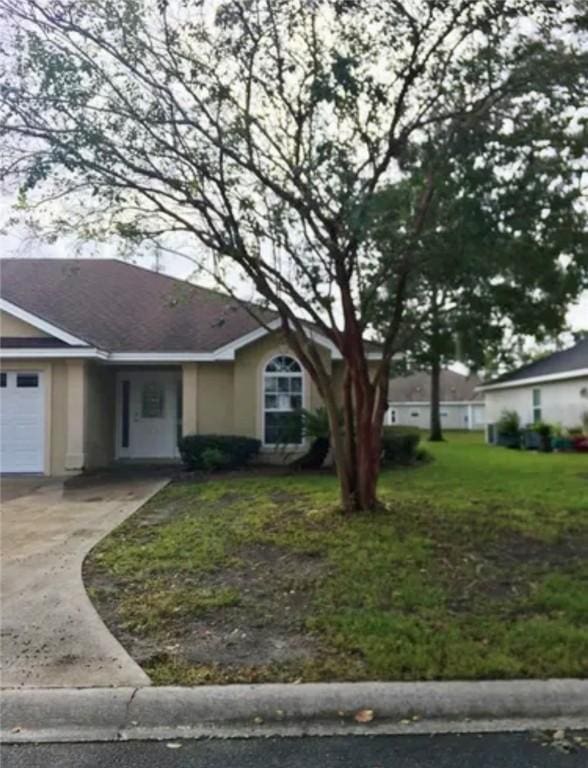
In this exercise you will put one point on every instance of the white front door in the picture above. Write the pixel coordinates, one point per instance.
(148, 414)
(22, 421)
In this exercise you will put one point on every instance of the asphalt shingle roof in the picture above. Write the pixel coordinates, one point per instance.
(567, 360)
(417, 387)
(120, 307)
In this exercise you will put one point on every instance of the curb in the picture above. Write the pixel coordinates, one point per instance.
(114, 714)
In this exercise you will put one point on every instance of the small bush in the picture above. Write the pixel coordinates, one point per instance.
(217, 451)
(399, 445)
(214, 458)
(509, 424)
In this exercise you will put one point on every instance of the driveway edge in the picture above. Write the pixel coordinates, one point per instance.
(109, 714)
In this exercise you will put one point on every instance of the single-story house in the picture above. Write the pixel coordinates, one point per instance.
(553, 389)
(409, 400)
(102, 361)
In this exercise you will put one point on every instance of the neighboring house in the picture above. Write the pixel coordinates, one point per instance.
(554, 390)
(102, 360)
(409, 399)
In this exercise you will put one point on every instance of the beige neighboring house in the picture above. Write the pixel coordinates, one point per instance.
(553, 389)
(409, 399)
(104, 361)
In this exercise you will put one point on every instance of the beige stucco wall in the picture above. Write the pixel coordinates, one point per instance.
(100, 415)
(12, 326)
(223, 397)
(215, 413)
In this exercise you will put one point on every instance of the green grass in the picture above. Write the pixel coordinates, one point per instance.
(477, 568)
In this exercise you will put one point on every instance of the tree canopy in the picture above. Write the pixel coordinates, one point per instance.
(262, 130)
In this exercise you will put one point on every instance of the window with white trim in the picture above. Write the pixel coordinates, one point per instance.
(536, 405)
(282, 401)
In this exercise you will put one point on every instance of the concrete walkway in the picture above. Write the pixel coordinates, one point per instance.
(51, 635)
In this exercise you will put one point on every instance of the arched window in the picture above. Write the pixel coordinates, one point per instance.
(282, 401)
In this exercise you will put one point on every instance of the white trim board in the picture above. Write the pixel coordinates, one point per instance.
(573, 374)
(42, 325)
(443, 403)
(224, 353)
(34, 353)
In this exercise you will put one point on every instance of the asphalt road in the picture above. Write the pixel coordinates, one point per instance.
(502, 750)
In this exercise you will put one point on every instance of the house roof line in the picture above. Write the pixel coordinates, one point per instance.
(131, 314)
(43, 325)
(571, 374)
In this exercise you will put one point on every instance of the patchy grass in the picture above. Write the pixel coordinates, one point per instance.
(477, 568)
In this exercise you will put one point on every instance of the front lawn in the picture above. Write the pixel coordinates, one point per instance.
(477, 569)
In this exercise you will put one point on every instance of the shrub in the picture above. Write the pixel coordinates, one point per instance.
(214, 458)
(216, 451)
(316, 427)
(399, 445)
(508, 429)
(509, 424)
(544, 431)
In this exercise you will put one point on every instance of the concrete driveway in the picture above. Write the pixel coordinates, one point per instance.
(50, 633)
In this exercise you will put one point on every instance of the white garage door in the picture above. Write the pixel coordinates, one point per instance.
(22, 423)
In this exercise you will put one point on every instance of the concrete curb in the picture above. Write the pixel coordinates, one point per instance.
(108, 714)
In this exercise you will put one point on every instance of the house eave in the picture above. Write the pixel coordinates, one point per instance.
(42, 325)
(562, 376)
(31, 353)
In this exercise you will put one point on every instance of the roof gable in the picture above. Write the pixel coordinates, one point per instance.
(559, 365)
(119, 307)
(417, 387)
(20, 323)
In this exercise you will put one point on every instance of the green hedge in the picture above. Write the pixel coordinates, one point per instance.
(400, 445)
(217, 451)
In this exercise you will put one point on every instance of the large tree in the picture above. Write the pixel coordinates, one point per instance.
(504, 249)
(262, 130)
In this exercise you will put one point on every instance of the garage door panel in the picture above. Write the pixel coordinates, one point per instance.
(22, 422)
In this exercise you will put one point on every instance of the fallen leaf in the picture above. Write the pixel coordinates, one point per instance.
(364, 716)
(16, 729)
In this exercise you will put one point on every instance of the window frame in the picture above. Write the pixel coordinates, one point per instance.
(25, 376)
(536, 406)
(264, 411)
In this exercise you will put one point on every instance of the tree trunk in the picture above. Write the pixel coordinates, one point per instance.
(356, 443)
(436, 435)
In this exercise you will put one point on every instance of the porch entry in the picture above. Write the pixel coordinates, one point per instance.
(149, 414)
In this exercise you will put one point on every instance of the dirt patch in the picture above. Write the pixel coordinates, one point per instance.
(506, 567)
(266, 625)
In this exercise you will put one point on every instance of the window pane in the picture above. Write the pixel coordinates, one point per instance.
(27, 380)
(283, 384)
(536, 397)
(125, 413)
(296, 401)
(2, 379)
(283, 428)
(536, 415)
(152, 401)
(296, 385)
(271, 384)
(271, 401)
(284, 403)
(283, 363)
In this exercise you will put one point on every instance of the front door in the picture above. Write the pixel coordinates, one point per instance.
(148, 414)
